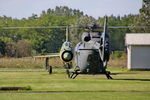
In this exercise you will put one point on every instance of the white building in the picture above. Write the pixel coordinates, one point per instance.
(138, 48)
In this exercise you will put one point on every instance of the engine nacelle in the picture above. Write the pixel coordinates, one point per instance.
(66, 53)
(86, 37)
(66, 56)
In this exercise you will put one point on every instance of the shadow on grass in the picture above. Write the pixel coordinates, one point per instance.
(15, 88)
(134, 79)
(122, 73)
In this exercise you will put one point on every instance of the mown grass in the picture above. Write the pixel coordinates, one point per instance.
(76, 96)
(58, 81)
(29, 72)
(126, 85)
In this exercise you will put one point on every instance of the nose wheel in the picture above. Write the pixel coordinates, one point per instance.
(73, 74)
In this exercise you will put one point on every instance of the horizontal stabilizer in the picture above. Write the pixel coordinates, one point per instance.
(51, 55)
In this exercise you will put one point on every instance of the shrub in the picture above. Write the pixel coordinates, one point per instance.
(117, 54)
(21, 48)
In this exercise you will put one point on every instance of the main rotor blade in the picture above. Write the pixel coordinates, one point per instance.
(79, 27)
(120, 27)
(49, 27)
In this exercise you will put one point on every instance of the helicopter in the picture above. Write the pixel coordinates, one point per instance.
(90, 55)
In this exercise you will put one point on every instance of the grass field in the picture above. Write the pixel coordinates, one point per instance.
(126, 85)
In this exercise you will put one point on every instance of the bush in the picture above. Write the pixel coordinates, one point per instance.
(21, 48)
(117, 54)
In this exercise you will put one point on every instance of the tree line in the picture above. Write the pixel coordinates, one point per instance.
(27, 42)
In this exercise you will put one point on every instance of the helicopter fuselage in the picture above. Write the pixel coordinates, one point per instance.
(87, 57)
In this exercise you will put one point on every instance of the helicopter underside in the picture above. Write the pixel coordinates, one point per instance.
(88, 61)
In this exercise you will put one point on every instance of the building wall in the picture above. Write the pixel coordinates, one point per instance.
(138, 57)
(129, 56)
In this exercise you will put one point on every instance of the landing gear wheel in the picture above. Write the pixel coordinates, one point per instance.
(49, 69)
(107, 73)
(74, 75)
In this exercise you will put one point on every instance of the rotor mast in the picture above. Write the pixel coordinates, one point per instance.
(67, 33)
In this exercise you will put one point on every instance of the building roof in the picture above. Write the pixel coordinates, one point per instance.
(137, 39)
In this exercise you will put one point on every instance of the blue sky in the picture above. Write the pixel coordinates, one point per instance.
(95, 8)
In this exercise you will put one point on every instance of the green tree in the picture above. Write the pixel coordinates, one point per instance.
(143, 19)
(50, 40)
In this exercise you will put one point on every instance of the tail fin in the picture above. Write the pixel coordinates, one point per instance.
(67, 33)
